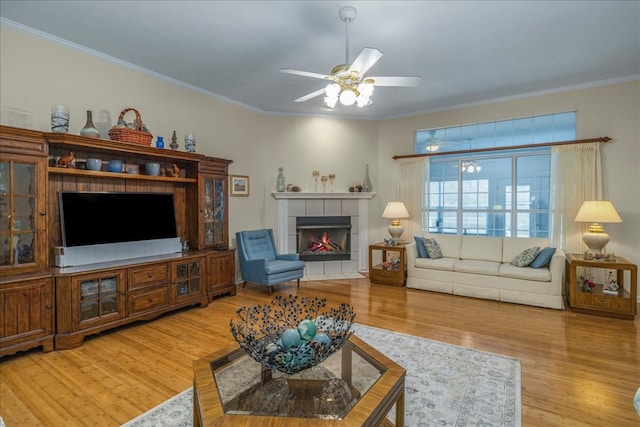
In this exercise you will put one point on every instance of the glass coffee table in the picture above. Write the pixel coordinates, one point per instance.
(355, 386)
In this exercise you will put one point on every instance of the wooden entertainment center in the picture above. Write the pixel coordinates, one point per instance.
(56, 308)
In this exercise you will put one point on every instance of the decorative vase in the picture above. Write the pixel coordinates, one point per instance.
(190, 143)
(114, 166)
(174, 141)
(59, 119)
(366, 184)
(89, 129)
(160, 142)
(280, 180)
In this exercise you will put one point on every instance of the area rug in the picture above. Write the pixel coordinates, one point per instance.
(446, 385)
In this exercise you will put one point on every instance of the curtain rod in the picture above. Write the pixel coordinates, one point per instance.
(480, 150)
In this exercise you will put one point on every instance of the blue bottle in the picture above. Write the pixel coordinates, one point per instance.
(160, 142)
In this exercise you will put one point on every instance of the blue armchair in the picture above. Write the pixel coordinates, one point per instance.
(260, 262)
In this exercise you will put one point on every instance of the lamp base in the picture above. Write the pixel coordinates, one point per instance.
(396, 231)
(595, 241)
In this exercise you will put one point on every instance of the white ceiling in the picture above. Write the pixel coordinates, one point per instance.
(466, 51)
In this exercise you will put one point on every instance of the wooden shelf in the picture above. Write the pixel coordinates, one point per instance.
(116, 175)
(108, 146)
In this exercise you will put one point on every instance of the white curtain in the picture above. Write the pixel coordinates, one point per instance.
(576, 176)
(412, 177)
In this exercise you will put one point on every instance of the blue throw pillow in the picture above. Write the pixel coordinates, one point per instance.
(544, 258)
(422, 249)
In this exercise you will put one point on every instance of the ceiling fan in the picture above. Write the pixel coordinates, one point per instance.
(348, 83)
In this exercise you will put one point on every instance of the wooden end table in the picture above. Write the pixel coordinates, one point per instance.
(388, 274)
(621, 305)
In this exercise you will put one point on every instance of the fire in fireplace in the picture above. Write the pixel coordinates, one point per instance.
(324, 238)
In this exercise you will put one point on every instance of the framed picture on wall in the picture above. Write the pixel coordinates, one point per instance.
(239, 185)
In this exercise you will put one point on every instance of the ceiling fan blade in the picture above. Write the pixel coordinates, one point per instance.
(310, 95)
(396, 81)
(306, 74)
(365, 60)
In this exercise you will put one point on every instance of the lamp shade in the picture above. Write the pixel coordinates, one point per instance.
(597, 211)
(395, 210)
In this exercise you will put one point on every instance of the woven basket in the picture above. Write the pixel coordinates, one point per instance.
(133, 136)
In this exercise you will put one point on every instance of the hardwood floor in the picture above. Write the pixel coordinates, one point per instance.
(577, 369)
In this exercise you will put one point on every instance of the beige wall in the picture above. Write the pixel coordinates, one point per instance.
(36, 74)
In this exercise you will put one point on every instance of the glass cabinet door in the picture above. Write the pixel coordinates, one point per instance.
(19, 213)
(99, 298)
(188, 278)
(213, 212)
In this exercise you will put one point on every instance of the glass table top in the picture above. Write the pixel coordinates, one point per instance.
(326, 391)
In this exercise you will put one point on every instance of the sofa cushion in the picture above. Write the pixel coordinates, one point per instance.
(486, 268)
(447, 264)
(543, 258)
(449, 244)
(526, 257)
(422, 250)
(433, 249)
(512, 246)
(481, 248)
(526, 273)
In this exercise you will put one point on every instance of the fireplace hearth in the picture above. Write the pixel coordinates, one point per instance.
(323, 238)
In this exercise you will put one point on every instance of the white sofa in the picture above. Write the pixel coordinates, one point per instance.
(480, 267)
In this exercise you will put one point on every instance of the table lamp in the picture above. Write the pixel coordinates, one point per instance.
(395, 211)
(596, 212)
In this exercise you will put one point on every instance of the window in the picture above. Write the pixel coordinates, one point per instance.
(493, 193)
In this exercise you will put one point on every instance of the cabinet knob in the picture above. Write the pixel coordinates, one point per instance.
(122, 293)
(49, 305)
(43, 213)
(149, 275)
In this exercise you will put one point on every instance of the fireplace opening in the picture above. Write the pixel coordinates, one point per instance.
(324, 238)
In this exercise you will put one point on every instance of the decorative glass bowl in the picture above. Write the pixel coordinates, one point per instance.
(291, 334)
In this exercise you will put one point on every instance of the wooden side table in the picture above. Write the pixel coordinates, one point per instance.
(386, 273)
(622, 305)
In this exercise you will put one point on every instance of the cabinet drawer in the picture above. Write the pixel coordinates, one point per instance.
(392, 276)
(148, 300)
(148, 275)
(380, 273)
(596, 301)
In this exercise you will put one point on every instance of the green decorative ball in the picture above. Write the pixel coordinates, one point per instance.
(307, 329)
(323, 339)
(290, 338)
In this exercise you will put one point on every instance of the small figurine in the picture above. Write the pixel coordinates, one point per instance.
(176, 171)
(611, 286)
(66, 161)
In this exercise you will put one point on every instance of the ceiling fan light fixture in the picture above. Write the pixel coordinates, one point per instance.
(330, 101)
(332, 90)
(349, 86)
(471, 167)
(433, 143)
(365, 91)
(347, 97)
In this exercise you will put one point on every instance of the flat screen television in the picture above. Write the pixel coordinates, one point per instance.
(95, 218)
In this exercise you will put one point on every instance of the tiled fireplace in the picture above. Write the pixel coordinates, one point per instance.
(339, 209)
